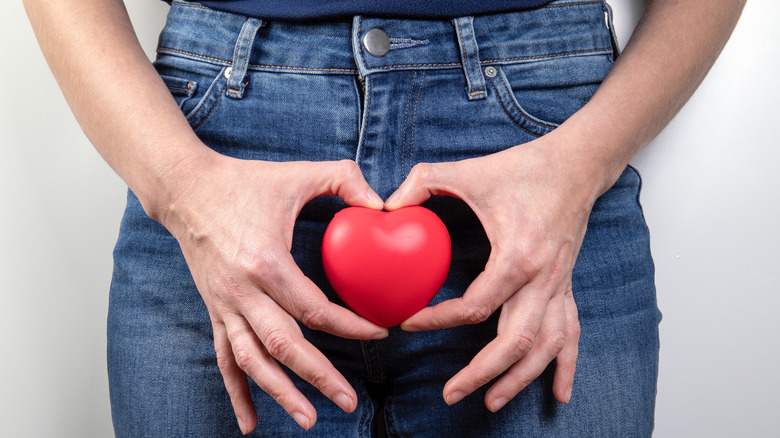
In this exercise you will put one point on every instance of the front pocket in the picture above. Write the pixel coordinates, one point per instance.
(206, 104)
(197, 87)
(539, 96)
(181, 89)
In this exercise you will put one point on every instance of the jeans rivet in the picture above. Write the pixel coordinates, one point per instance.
(491, 72)
(376, 42)
(228, 72)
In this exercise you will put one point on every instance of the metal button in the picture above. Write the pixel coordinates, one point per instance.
(491, 72)
(376, 42)
(228, 72)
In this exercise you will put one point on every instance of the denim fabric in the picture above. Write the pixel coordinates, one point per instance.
(263, 90)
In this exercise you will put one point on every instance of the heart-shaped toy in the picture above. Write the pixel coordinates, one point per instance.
(386, 265)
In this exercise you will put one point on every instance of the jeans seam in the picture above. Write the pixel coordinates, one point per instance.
(519, 109)
(406, 116)
(390, 426)
(501, 104)
(550, 55)
(414, 122)
(463, 52)
(366, 111)
(367, 360)
(571, 4)
(219, 61)
(206, 117)
(379, 362)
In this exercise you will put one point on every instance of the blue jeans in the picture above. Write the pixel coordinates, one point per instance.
(446, 90)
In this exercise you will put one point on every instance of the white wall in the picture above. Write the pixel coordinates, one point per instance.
(711, 199)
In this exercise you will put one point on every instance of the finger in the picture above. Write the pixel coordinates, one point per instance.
(345, 180)
(283, 281)
(424, 180)
(549, 343)
(519, 324)
(252, 359)
(283, 340)
(235, 381)
(566, 362)
(491, 289)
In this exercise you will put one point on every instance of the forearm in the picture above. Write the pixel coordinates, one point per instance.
(116, 95)
(672, 49)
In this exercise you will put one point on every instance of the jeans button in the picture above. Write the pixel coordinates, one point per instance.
(376, 42)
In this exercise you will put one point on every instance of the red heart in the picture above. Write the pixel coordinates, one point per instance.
(386, 265)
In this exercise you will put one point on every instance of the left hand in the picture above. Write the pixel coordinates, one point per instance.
(533, 201)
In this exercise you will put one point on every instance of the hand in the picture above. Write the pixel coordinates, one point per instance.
(534, 206)
(234, 221)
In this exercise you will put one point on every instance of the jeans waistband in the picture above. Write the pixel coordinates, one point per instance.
(562, 28)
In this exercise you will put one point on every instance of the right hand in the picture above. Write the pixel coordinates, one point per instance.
(234, 222)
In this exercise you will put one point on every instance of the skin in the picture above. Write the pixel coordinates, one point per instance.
(533, 201)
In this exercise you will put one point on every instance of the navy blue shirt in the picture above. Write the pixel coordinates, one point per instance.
(328, 9)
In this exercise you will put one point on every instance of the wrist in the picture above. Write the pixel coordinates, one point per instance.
(173, 178)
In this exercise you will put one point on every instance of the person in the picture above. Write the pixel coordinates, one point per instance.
(513, 121)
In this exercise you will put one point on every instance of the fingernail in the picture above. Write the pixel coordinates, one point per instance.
(380, 334)
(241, 426)
(301, 419)
(344, 402)
(454, 397)
(376, 201)
(568, 395)
(409, 327)
(498, 404)
(391, 200)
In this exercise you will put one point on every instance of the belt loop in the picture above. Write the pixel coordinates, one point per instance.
(241, 53)
(469, 56)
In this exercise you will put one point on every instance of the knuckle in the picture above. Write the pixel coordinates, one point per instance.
(478, 314)
(480, 377)
(314, 318)
(243, 357)
(422, 172)
(318, 379)
(556, 340)
(521, 343)
(521, 381)
(347, 170)
(279, 345)
(263, 266)
(224, 360)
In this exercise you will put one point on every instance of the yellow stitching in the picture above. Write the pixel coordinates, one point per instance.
(519, 109)
(280, 67)
(474, 93)
(503, 107)
(451, 64)
(476, 51)
(463, 54)
(553, 55)
(192, 54)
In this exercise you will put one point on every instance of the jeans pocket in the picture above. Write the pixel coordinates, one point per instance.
(538, 96)
(196, 86)
(181, 89)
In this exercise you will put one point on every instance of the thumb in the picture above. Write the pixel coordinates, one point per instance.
(424, 181)
(345, 180)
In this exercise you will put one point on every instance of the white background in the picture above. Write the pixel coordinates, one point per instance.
(710, 196)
